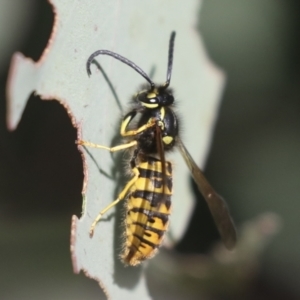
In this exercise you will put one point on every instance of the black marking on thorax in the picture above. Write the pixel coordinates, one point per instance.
(147, 138)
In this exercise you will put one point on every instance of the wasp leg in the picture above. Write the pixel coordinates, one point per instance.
(139, 130)
(120, 197)
(111, 149)
(128, 119)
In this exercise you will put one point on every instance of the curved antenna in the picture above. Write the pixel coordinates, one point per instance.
(170, 59)
(120, 58)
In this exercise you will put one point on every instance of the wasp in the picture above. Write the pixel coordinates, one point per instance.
(148, 193)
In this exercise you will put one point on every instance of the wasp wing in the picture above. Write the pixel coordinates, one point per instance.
(216, 203)
(161, 153)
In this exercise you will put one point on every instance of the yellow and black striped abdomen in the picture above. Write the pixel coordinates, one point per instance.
(148, 210)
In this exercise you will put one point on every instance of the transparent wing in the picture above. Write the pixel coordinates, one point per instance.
(161, 153)
(216, 203)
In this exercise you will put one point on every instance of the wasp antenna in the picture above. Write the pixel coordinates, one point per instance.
(170, 58)
(120, 58)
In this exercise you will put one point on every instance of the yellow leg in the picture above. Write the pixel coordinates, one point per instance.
(113, 149)
(125, 123)
(120, 197)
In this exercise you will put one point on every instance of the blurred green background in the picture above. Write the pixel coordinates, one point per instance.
(254, 160)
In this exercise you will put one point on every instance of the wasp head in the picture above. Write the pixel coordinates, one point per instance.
(154, 98)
